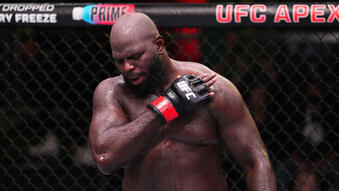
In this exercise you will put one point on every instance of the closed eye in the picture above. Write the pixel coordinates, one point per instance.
(136, 56)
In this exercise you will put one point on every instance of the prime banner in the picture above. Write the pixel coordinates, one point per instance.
(172, 14)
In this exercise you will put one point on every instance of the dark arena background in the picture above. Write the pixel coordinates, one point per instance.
(283, 57)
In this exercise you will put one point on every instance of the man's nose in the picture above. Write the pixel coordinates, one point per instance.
(128, 66)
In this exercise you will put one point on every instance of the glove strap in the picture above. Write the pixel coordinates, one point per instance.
(165, 109)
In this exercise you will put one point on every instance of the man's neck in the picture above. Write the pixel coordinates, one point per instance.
(170, 72)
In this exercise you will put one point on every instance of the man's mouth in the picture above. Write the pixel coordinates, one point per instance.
(137, 80)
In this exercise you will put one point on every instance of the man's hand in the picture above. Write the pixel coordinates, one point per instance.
(185, 94)
(209, 80)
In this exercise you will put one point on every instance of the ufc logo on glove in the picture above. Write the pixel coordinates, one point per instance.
(186, 93)
(184, 87)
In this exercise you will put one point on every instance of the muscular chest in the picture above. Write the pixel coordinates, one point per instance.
(196, 128)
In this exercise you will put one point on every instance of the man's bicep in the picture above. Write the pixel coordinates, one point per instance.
(236, 126)
(107, 114)
(241, 139)
(106, 106)
(108, 117)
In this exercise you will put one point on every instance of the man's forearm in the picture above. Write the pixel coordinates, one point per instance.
(123, 143)
(261, 178)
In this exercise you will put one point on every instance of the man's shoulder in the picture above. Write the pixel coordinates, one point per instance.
(110, 85)
(227, 96)
(223, 86)
(194, 68)
(111, 82)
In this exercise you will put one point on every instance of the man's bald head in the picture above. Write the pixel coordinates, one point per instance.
(130, 27)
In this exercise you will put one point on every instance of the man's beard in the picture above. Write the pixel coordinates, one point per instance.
(153, 82)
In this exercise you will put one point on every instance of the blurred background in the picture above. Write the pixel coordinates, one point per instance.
(287, 76)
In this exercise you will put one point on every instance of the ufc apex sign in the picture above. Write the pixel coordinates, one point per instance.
(281, 13)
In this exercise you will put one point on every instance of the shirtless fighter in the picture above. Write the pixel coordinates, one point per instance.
(166, 121)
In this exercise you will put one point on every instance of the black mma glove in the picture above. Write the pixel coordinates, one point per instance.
(185, 93)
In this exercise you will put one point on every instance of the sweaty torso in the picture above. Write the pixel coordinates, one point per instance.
(187, 158)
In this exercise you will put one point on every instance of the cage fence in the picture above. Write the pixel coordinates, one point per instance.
(288, 78)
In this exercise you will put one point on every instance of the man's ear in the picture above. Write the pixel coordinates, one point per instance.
(159, 43)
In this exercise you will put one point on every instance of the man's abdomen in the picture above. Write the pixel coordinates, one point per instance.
(173, 166)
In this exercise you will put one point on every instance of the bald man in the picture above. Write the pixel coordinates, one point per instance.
(166, 122)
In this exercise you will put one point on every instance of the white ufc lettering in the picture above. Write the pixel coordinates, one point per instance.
(185, 88)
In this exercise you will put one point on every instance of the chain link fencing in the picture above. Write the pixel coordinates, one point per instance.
(288, 78)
